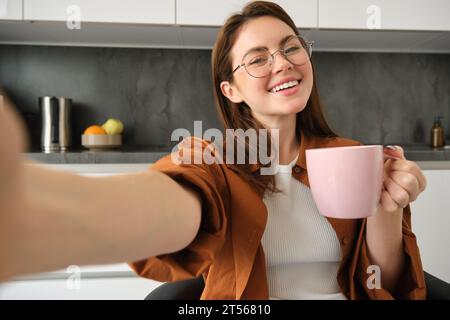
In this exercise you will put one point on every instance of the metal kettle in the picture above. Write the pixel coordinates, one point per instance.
(56, 119)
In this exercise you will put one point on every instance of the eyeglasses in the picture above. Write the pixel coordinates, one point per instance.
(259, 62)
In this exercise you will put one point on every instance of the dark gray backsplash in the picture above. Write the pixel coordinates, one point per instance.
(372, 97)
(385, 98)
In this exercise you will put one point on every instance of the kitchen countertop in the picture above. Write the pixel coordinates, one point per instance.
(147, 155)
(81, 156)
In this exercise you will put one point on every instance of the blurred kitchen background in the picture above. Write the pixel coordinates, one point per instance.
(382, 68)
(385, 98)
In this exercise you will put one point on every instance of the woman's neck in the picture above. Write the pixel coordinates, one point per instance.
(288, 141)
(289, 145)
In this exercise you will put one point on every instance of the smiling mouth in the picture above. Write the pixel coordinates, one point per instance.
(285, 86)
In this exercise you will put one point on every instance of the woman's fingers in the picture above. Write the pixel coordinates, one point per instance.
(198, 151)
(399, 195)
(410, 167)
(387, 202)
(408, 182)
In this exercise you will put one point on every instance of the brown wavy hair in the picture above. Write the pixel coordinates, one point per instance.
(310, 120)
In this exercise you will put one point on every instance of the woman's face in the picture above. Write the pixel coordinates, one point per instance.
(257, 92)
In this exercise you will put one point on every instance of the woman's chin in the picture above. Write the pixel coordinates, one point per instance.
(293, 109)
(286, 109)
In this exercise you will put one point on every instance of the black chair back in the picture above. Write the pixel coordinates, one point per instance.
(192, 289)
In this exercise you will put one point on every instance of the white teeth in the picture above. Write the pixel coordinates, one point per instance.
(284, 86)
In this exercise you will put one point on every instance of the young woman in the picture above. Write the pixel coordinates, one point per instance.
(229, 223)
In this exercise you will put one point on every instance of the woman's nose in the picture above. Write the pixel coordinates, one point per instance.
(280, 63)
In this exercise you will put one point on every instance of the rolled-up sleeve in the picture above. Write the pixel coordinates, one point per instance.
(192, 261)
(411, 283)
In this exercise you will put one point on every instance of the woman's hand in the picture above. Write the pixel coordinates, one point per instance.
(12, 143)
(194, 150)
(403, 180)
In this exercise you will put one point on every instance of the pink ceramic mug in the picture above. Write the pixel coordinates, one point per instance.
(346, 182)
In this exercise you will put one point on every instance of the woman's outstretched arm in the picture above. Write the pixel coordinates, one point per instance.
(50, 219)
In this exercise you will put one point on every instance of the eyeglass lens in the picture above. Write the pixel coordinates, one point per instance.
(258, 63)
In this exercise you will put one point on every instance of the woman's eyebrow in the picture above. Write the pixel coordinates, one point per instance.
(282, 41)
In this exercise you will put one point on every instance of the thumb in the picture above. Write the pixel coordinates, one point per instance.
(394, 152)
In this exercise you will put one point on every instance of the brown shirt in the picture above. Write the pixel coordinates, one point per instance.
(227, 250)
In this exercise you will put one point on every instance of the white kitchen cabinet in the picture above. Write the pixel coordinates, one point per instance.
(431, 223)
(11, 9)
(214, 13)
(411, 26)
(385, 14)
(101, 288)
(109, 11)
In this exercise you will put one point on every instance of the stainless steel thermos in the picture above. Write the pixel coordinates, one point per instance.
(56, 118)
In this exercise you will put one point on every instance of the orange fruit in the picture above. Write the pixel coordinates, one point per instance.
(95, 129)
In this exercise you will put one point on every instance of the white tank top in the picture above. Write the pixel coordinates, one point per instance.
(301, 247)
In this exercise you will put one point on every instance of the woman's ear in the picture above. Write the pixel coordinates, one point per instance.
(231, 92)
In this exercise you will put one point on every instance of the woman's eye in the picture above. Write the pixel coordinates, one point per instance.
(292, 49)
(258, 61)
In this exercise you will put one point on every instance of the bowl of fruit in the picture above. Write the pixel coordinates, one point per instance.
(106, 136)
